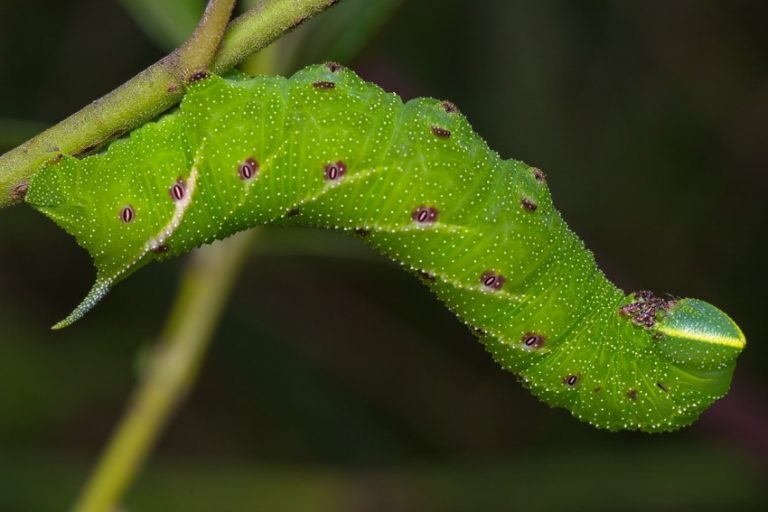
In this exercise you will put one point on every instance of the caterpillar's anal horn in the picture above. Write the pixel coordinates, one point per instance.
(100, 288)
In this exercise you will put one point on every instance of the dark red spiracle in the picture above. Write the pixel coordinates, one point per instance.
(539, 175)
(196, 77)
(335, 171)
(632, 394)
(443, 133)
(492, 280)
(528, 204)
(248, 169)
(177, 191)
(324, 85)
(127, 214)
(571, 380)
(532, 341)
(424, 214)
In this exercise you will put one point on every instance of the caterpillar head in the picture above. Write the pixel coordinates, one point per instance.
(696, 334)
(691, 333)
(699, 341)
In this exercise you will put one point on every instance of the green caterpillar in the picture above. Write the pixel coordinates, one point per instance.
(324, 148)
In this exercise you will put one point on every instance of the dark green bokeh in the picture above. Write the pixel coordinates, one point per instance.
(336, 381)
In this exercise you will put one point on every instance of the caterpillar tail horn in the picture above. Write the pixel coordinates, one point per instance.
(98, 291)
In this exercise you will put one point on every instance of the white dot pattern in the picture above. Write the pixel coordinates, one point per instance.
(325, 148)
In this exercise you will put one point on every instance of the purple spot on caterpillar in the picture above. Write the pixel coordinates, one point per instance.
(632, 394)
(492, 281)
(248, 169)
(333, 67)
(197, 76)
(426, 275)
(441, 132)
(324, 85)
(532, 341)
(528, 204)
(177, 191)
(127, 214)
(160, 249)
(662, 387)
(645, 307)
(424, 214)
(362, 232)
(571, 380)
(335, 171)
(539, 175)
(449, 107)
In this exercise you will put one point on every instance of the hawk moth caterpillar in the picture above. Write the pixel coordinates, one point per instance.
(325, 148)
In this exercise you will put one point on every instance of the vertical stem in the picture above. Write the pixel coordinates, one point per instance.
(196, 55)
(172, 370)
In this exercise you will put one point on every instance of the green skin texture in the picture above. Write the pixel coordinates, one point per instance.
(589, 358)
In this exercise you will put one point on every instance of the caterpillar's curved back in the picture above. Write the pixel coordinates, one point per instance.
(325, 148)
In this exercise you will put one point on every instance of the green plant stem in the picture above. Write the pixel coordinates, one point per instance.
(155, 89)
(197, 53)
(274, 18)
(171, 371)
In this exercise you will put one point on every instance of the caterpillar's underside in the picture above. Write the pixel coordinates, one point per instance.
(325, 148)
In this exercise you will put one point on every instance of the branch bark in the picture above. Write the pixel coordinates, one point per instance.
(196, 55)
(155, 89)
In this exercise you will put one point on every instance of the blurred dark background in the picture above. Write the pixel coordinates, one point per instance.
(649, 119)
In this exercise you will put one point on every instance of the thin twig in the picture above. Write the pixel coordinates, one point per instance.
(151, 92)
(172, 370)
(196, 55)
(242, 40)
